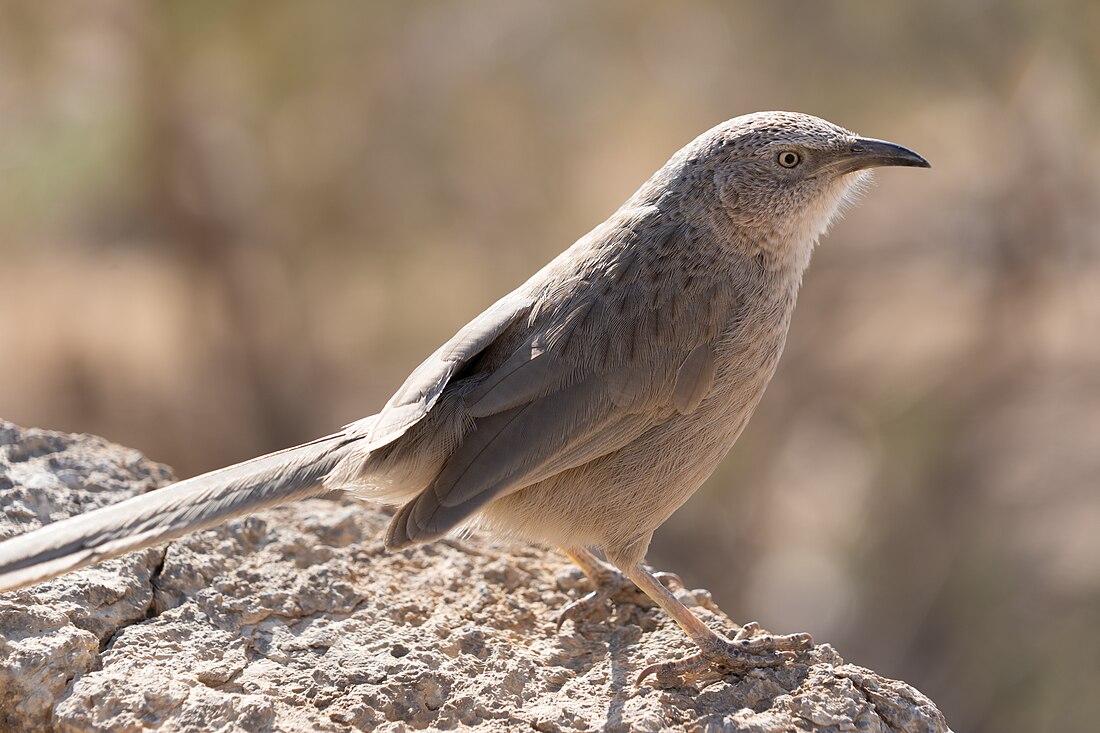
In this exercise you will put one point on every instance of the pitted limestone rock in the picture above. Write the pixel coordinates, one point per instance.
(295, 619)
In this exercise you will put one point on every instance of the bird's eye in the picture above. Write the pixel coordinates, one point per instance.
(789, 159)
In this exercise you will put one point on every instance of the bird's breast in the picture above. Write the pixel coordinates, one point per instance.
(747, 353)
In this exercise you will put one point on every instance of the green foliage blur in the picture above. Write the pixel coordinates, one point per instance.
(230, 227)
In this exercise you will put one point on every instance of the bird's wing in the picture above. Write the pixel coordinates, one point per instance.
(601, 367)
(266, 481)
(422, 389)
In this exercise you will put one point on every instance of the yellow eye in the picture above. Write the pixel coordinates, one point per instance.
(789, 159)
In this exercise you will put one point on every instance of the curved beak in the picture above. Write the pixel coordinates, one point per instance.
(867, 152)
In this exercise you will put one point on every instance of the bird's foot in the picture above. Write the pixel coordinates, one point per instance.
(747, 650)
(611, 586)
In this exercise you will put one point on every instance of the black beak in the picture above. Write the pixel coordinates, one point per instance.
(866, 152)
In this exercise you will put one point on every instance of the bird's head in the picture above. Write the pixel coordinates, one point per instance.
(776, 179)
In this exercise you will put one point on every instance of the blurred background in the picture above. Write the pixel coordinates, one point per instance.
(230, 227)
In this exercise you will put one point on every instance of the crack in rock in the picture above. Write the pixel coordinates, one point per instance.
(56, 631)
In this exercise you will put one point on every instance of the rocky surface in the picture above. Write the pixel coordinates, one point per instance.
(295, 619)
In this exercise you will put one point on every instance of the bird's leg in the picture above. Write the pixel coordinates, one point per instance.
(608, 581)
(746, 650)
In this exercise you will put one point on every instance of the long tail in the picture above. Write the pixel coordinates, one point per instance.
(171, 512)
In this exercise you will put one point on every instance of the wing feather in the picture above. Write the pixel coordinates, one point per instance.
(610, 354)
(694, 379)
(416, 397)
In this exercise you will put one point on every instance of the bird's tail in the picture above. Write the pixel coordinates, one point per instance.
(168, 513)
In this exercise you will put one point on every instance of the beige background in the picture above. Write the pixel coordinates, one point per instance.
(226, 228)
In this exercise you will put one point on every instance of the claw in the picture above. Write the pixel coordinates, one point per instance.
(747, 650)
(678, 667)
(749, 630)
(607, 588)
(581, 608)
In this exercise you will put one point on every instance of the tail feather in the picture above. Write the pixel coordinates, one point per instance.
(171, 512)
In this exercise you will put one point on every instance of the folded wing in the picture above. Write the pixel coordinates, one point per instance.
(602, 366)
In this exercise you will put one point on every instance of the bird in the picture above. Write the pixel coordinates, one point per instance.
(584, 407)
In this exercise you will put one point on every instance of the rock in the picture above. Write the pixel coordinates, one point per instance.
(296, 619)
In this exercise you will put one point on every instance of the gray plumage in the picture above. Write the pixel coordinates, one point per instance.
(586, 406)
(160, 516)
